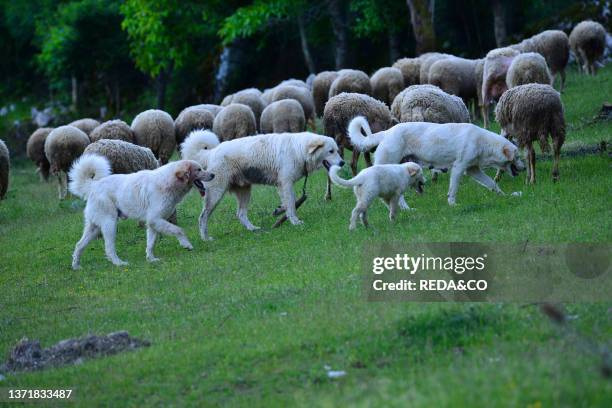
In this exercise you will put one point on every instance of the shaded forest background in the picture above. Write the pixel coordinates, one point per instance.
(111, 58)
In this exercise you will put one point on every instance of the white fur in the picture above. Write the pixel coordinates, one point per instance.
(273, 159)
(459, 147)
(149, 196)
(196, 145)
(387, 181)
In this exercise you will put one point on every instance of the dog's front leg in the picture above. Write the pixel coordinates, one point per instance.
(211, 200)
(151, 238)
(288, 197)
(455, 177)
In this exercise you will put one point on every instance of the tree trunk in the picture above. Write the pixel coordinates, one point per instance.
(337, 13)
(395, 51)
(422, 19)
(162, 83)
(305, 48)
(499, 20)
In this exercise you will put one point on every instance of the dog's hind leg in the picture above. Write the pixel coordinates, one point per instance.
(481, 178)
(213, 196)
(90, 232)
(109, 232)
(243, 197)
(164, 227)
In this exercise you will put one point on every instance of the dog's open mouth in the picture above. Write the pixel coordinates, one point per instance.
(200, 186)
(326, 165)
(514, 170)
(419, 187)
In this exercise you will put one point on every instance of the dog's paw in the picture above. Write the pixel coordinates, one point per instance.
(187, 245)
(517, 194)
(253, 228)
(120, 263)
(76, 267)
(152, 259)
(296, 221)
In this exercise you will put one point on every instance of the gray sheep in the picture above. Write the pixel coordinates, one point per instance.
(63, 146)
(528, 68)
(588, 41)
(124, 157)
(427, 60)
(250, 97)
(553, 45)
(300, 94)
(113, 129)
(192, 118)
(320, 90)
(496, 65)
(234, 121)
(529, 113)
(87, 125)
(214, 109)
(283, 116)
(155, 129)
(410, 69)
(428, 103)
(341, 109)
(456, 76)
(350, 81)
(35, 149)
(5, 169)
(386, 84)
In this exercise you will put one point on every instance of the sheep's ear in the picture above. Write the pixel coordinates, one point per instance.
(508, 152)
(314, 146)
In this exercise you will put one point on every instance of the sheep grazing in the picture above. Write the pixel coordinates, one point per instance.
(249, 97)
(295, 82)
(283, 116)
(410, 69)
(124, 157)
(35, 149)
(300, 94)
(528, 68)
(234, 121)
(496, 65)
(87, 125)
(5, 169)
(428, 103)
(113, 129)
(63, 146)
(427, 60)
(553, 45)
(214, 109)
(340, 110)
(350, 81)
(386, 84)
(588, 41)
(456, 76)
(267, 94)
(320, 89)
(192, 118)
(155, 129)
(531, 112)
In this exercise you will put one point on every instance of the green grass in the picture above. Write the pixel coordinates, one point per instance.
(253, 318)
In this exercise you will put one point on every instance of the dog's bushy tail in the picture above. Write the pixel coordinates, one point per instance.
(337, 180)
(358, 140)
(196, 142)
(85, 171)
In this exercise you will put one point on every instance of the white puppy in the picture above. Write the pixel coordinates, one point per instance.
(149, 196)
(273, 159)
(387, 181)
(460, 147)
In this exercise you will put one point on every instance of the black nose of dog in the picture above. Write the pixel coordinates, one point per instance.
(341, 163)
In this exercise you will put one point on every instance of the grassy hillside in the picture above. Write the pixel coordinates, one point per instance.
(254, 318)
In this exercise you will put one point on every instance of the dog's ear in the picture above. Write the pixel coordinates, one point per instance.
(183, 174)
(314, 146)
(508, 152)
(413, 170)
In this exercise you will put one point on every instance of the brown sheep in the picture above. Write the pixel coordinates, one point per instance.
(250, 97)
(87, 125)
(386, 84)
(234, 121)
(588, 41)
(284, 116)
(114, 130)
(35, 150)
(320, 89)
(300, 94)
(351, 81)
(154, 129)
(410, 68)
(62, 147)
(192, 118)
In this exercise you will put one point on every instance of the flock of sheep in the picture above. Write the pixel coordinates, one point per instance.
(433, 87)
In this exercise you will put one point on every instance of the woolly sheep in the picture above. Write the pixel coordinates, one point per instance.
(410, 69)
(427, 60)
(267, 94)
(587, 41)
(553, 45)
(155, 129)
(320, 89)
(234, 121)
(124, 157)
(531, 112)
(214, 109)
(456, 76)
(35, 150)
(113, 129)
(528, 68)
(63, 146)
(192, 118)
(300, 94)
(495, 68)
(5, 169)
(386, 84)
(87, 125)
(350, 81)
(428, 103)
(283, 116)
(249, 97)
(295, 82)
(341, 109)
